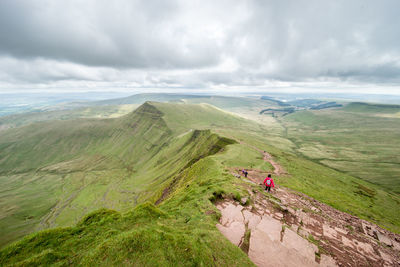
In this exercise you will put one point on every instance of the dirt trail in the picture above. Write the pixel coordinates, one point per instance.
(287, 228)
(278, 169)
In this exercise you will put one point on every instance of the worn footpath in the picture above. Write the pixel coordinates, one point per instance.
(287, 228)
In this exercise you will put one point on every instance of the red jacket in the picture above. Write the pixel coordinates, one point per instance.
(271, 184)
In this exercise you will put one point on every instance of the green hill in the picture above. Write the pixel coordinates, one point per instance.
(155, 174)
(66, 169)
(121, 106)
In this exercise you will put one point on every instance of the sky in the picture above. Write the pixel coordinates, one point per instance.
(200, 46)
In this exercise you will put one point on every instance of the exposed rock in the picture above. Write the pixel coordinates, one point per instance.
(306, 219)
(386, 258)
(278, 215)
(234, 232)
(314, 209)
(384, 239)
(251, 219)
(304, 232)
(266, 252)
(329, 232)
(272, 245)
(369, 230)
(366, 248)
(231, 213)
(348, 243)
(271, 227)
(345, 238)
(340, 230)
(293, 241)
(396, 245)
(327, 261)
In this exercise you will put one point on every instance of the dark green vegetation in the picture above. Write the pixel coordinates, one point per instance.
(273, 111)
(327, 105)
(176, 156)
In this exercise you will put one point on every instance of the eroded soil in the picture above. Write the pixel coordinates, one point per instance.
(287, 228)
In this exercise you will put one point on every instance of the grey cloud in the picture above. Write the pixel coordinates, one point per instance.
(138, 34)
(305, 39)
(185, 43)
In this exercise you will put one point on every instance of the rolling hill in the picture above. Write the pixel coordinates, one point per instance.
(155, 174)
(66, 169)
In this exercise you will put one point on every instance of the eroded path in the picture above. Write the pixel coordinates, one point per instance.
(278, 169)
(287, 228)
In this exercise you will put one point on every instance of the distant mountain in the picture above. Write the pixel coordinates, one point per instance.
(143, 188)
(68, 168)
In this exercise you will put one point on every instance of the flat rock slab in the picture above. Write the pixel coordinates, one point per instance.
(266, 252)
(384, 239)
(251, 219)
(271, 227)
(291, 240)
(327, 261)
(234, 232)
(231, 213)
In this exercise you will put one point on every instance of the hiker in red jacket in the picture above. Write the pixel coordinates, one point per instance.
(268, 182)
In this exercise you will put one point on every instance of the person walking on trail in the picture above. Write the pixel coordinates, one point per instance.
(245, 173)
(268, 182)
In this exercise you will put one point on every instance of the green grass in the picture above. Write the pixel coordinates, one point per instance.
(160, 151)
(357, 140)
(108, 111)
(178, 233)
(371, 108)
(88, 164)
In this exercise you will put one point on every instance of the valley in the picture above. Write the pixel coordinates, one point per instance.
(126, 156)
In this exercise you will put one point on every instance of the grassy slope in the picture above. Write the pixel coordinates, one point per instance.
(54, 173)
(340, 190)
(187, 213)
(358, 139)
(108, 111)
(178, 233)
(122, 106)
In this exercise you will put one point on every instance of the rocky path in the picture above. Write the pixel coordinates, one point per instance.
(287, 228)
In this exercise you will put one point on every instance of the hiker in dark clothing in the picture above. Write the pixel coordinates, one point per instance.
(245, 173)
(268, 182)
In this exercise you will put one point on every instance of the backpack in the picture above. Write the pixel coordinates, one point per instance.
(268, 181)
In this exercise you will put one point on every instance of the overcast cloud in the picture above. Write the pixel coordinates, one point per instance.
(220, 45)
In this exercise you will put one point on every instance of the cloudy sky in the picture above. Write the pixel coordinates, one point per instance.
(221, 46)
